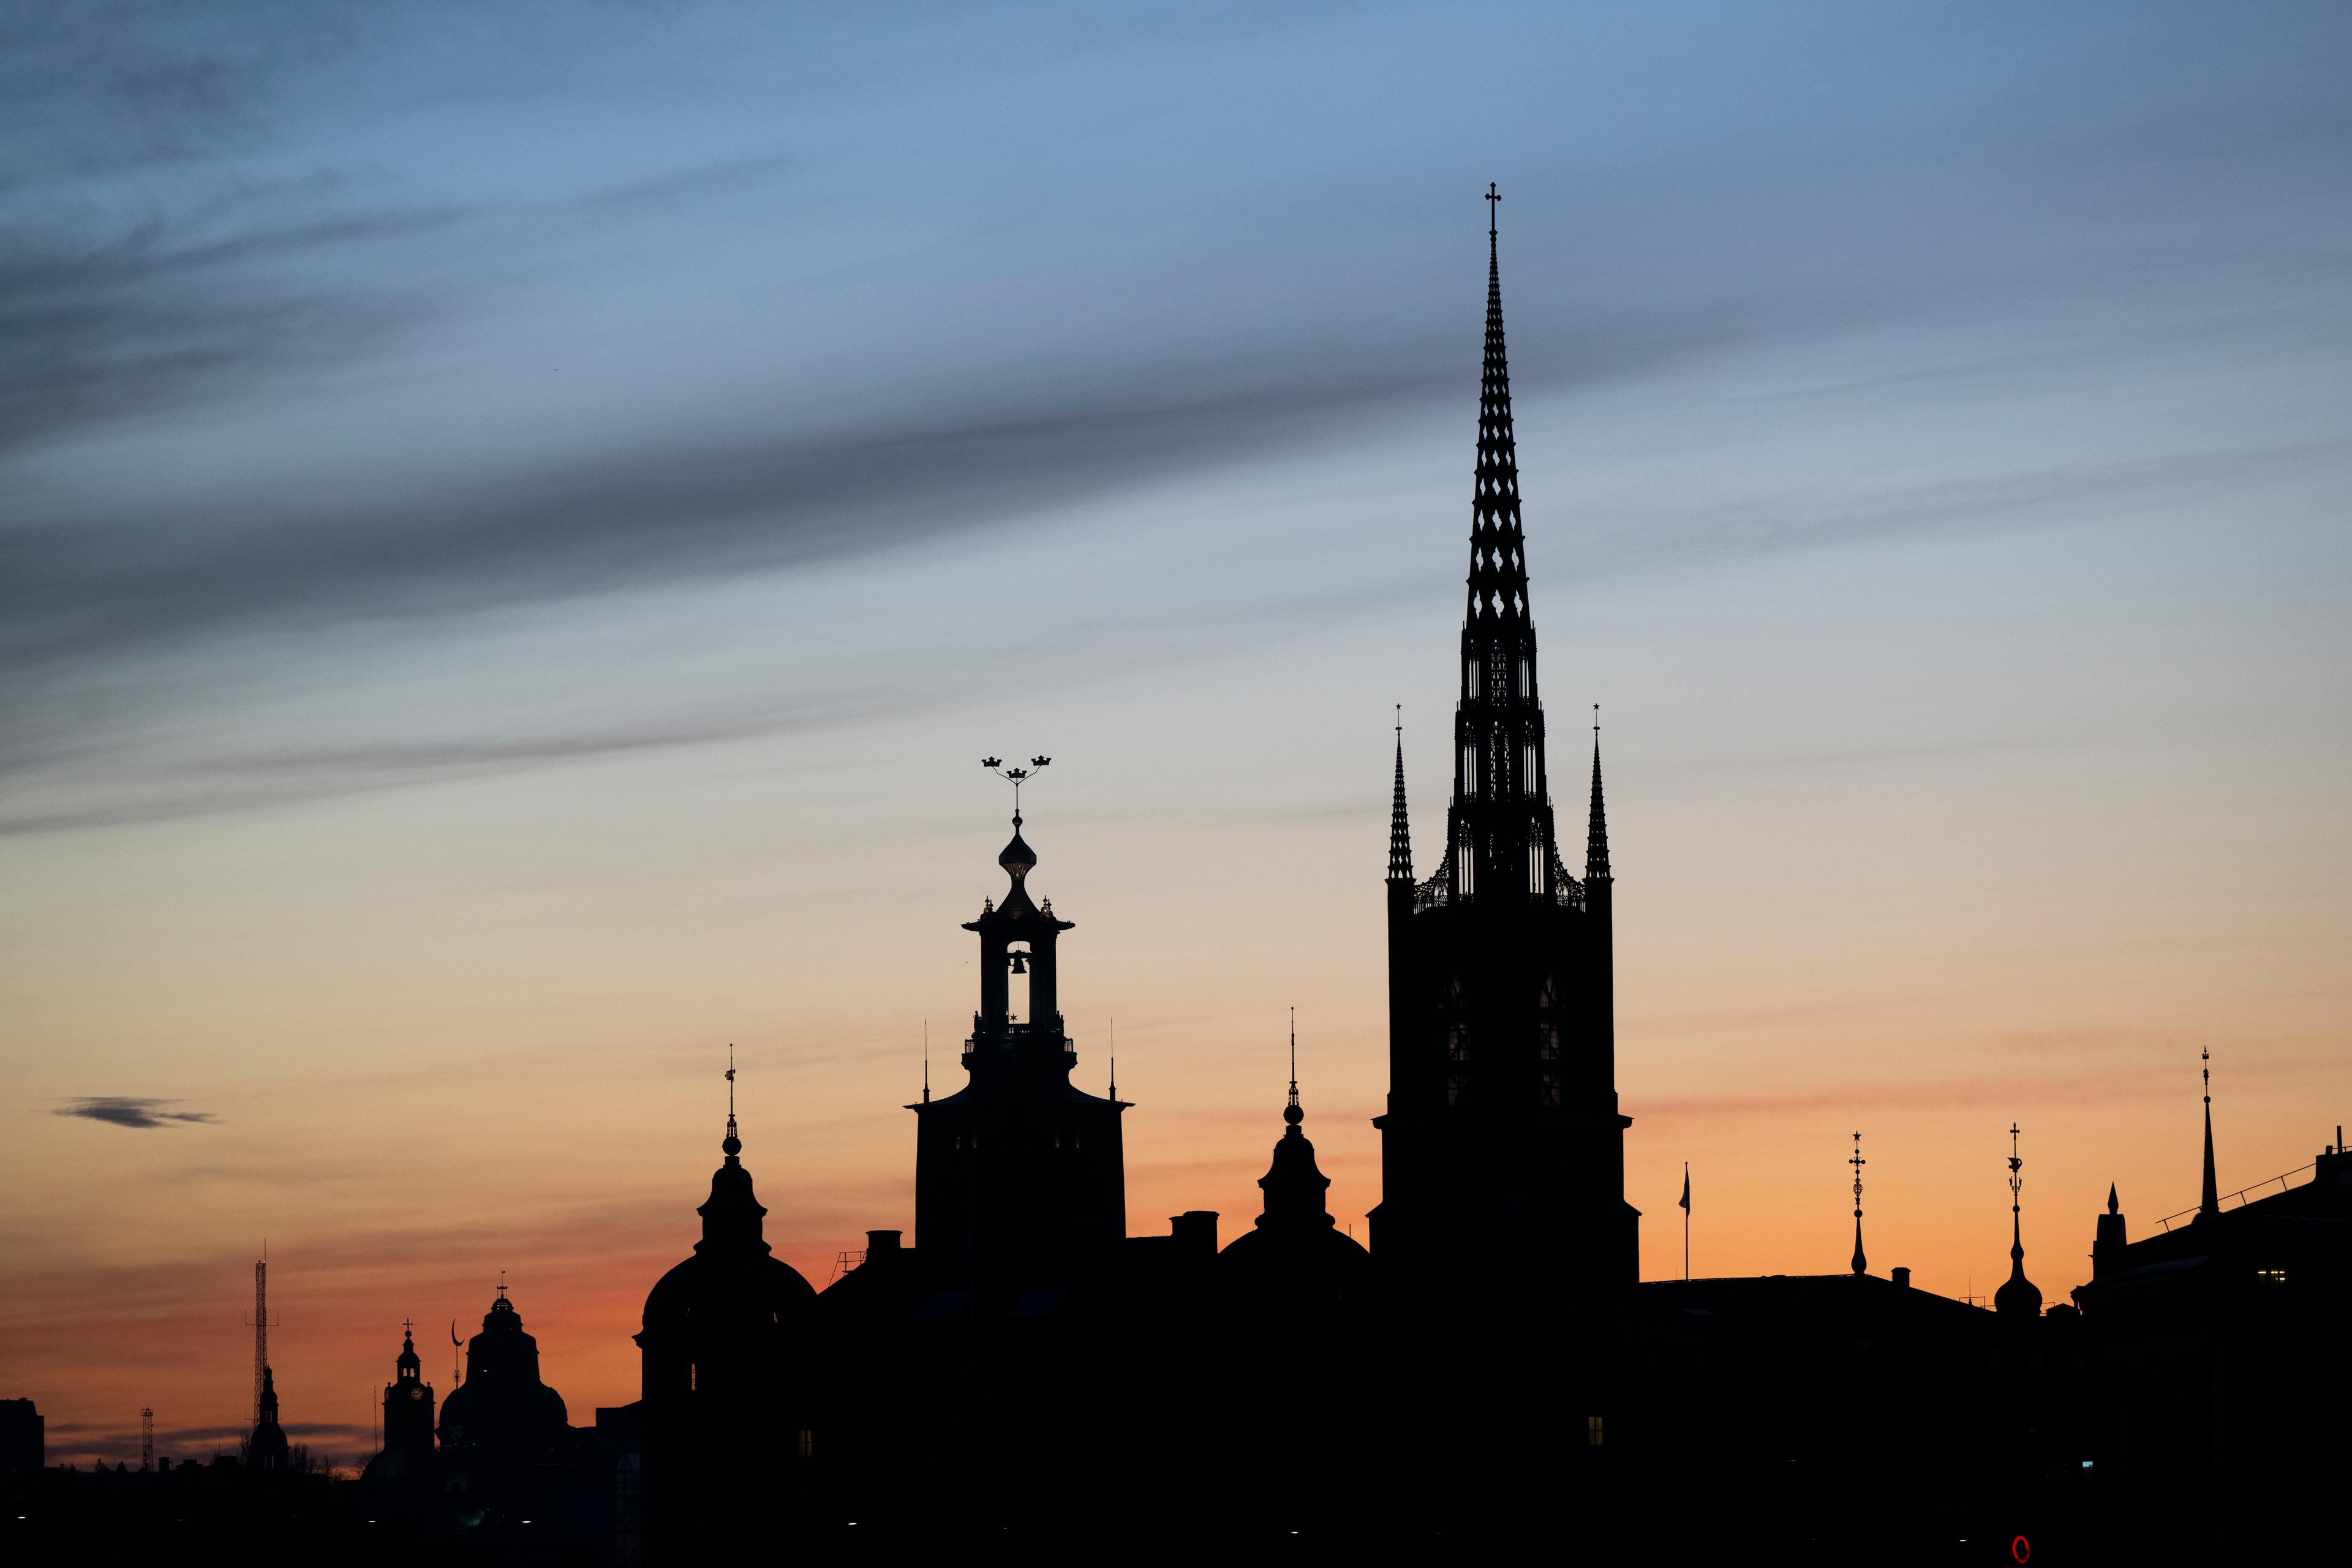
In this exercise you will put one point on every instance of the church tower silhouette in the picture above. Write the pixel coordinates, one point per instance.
(1502, 1147)
(1020, 1160)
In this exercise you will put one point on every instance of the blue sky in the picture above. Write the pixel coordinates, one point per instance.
(516, 524)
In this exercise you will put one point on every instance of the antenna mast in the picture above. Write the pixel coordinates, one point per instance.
(260, 1326)
(146, 1439)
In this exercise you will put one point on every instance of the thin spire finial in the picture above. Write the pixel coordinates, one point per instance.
(1294, 1055)
(733, 1144)
(2210, 1200)
(927, 1061)
(1860, 1263)
(1114, 1058)
(1291, 1113)
(2019, 1297)
(2016, 1187)
(1494, 199)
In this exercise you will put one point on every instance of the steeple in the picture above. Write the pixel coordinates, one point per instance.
(2021, 1297)
(1499, 839)
(406, 1367)
(1019, 1159)
(731, 1217)
(266, 1448)
(1400, 826)
(1596, 830)
(2209, 1203)
(1293, 1184)
(1502, 1147)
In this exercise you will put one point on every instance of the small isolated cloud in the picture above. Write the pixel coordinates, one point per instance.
(129, 1111)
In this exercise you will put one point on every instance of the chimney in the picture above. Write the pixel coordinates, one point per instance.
(1195, 1230)
(1902, 1279)
(880, 1244)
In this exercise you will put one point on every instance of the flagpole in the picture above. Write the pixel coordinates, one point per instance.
(1686, 1222)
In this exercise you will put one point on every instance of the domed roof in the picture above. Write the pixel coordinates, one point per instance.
(502, 1402)
(1282, 1270)
(1296, 1259)
(734, 1277)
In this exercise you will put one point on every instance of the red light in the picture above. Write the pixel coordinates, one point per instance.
(2020, 1549)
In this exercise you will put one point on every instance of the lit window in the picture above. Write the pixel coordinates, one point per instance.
(1548, 1091)
(2269, 1275)
(807, 1445)
(1592, 1435)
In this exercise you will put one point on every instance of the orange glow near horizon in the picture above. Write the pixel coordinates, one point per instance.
(532, 1082)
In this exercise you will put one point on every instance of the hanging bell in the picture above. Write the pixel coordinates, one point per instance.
(1019, 962)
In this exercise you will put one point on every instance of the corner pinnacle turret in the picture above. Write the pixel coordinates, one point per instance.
(1596, 830)
(1399, 824)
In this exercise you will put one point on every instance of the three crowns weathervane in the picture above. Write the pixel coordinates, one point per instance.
(1014, 777)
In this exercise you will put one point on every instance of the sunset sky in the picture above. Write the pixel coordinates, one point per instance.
(517, 524)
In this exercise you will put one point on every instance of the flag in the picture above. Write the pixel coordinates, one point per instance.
(1685, 1189)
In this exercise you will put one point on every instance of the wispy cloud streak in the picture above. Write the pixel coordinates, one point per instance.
(131, 1110)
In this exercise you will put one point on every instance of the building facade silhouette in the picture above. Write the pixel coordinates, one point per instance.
(1028, 1382)
(1491, 1380)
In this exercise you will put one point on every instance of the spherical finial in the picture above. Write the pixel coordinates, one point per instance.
(730, 1145)
(1292, 1114)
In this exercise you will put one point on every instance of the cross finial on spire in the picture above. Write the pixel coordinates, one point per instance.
(1492, 198)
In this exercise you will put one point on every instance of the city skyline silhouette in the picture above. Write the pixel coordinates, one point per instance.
(390, 861)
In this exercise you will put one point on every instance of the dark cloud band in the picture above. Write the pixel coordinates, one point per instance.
(131, 1110)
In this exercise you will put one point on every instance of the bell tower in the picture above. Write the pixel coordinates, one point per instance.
(408, 1399)
(1019, 1159)
(1502, 1147)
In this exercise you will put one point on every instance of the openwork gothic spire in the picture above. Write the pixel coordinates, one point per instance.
(1499, 840)
(1498, 572)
